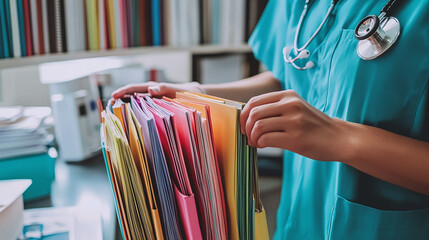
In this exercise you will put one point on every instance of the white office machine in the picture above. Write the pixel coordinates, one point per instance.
(74, 96)
(75, 89)
(77, 120)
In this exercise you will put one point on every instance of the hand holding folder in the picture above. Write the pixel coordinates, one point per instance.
(181, 169)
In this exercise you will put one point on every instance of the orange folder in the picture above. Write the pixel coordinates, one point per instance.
(224, 123)
(205, 113)
(119, 198)
(139, 155)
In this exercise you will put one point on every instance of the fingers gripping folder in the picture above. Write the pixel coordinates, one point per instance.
(181, 169)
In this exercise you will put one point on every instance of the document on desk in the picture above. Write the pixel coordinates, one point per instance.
(181, 169)
(65, 223)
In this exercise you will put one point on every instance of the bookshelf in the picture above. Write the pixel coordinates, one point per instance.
(195, 51)
(195, 32)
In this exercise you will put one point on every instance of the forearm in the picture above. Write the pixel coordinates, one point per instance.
(391, 157)
(244, 89)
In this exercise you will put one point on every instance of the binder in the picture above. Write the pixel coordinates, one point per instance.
(56, 26)
(21, 28)
(27, 26)
(15, 28)
(101, 15)
(135, 22)
(123, 22)
(129, 21)
(3, 36)
(9, 28)
(111, 27)
(92, 25)
(142, 23)
(33, 20)
(156, 21)
(39, 27)
(5, 33)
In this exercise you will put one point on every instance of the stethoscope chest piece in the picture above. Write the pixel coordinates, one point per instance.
(375, 36)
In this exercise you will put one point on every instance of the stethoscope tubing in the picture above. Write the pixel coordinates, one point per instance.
(298, 28)
(385, 14)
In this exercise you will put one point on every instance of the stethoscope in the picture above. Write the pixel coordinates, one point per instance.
(376, 34)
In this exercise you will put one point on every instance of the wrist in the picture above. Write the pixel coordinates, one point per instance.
(349, 141)
(199, 87)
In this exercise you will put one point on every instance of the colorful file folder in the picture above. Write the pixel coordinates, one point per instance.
(181, 169)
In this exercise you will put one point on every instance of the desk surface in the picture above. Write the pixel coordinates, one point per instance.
(84, 184)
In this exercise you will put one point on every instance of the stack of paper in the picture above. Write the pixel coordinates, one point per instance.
(181, 169)
(23, 131)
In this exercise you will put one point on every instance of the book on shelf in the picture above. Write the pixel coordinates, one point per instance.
(37, 27)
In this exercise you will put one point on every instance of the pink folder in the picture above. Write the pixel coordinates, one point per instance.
(188, 215)
(205, 110)
(186, 203)
(187, 141)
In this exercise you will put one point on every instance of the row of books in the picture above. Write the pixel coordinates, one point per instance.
(34, 27)
(181, 169)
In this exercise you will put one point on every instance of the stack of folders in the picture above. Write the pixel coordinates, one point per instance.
(181, 169)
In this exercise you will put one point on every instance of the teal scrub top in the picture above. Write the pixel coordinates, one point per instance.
(331, 200)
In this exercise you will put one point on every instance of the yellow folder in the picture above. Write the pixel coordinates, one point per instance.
(119, 198)
(260, 224)
(139, 154)
(115, 181)
(261, 227)
(134, 202)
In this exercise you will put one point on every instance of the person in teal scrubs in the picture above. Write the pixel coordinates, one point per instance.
(355, 132)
